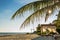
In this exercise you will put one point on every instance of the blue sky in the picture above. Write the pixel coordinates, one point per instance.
(7, 9)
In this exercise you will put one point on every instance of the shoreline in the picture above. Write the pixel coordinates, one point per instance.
(27, 37)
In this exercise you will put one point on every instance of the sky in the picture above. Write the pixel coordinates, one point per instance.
(7, 9)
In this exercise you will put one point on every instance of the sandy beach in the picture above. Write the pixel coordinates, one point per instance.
(28, 37)
(19, 37)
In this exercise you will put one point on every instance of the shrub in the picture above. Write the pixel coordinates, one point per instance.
(58, 30)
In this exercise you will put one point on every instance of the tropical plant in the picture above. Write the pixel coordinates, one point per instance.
(57, 22)
(38, 30)
(38, 8)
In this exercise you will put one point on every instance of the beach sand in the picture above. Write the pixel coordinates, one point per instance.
(19, 37)
(25, 37)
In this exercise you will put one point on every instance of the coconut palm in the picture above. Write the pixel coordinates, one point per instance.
(38, 8)
(32, 6)
(36, 15)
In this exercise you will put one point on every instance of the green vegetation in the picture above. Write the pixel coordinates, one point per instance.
(38, 31)
(57, 23)
(58, 30)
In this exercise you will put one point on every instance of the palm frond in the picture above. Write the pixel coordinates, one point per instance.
(52, 8)
(36, 15)
(58, 19)
(32, 6)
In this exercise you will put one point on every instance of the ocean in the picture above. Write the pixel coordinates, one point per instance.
(6, 33)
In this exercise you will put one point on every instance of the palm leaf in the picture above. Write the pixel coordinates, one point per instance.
(52, 8)
(57, 22)
(36, 15)
(32, 6)
(58, 19)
